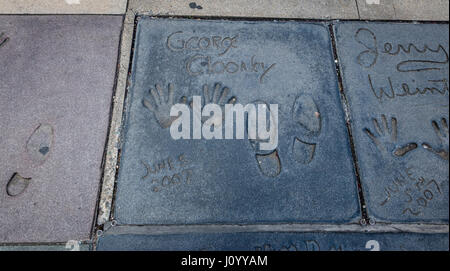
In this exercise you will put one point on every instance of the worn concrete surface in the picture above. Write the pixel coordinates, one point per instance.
(276, 241)
(57, 78)
(63, 6)
(435, 10)
(395, 77)
(308, 177)
(318, 9)
(430, 10)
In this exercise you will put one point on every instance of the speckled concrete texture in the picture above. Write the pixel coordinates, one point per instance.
(56, 84)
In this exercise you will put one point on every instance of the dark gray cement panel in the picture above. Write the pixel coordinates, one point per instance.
(397, 74)
(222, 181)
(257, 241)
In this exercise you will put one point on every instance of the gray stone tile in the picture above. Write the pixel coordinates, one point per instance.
(432, 10)
(261, 241)
(309, 177)
(317, 9)
(63, 6)
(71, 246)
(397, 75)
(55, 94)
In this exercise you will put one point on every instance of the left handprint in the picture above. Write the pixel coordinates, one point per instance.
(161, 106)
(443, 135)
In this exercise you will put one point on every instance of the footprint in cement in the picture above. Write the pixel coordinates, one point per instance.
(268, 161)
(306, 114)
(269, 164)
(303, 151)
(17, 185)
(39, 144)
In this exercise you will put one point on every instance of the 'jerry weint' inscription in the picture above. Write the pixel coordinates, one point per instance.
(395, 77)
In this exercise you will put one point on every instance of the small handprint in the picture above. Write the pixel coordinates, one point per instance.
(442, 133)
(161, 106)
(219, 97)
(386, 139)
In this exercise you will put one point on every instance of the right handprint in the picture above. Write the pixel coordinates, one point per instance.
(442, 133)
(385, 137)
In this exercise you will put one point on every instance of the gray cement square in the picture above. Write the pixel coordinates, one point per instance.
(308, 177)
(395, 77)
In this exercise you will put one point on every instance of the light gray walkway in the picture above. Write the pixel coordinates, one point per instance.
(63, 6)
(420, 10)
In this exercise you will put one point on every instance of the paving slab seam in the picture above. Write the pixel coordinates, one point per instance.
(124, 115)
(105, 148)
(179, 229)
(113, 150)
(134, 18)
(365, 219)
(357, 9)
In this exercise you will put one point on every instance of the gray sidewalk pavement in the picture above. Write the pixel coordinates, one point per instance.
(430, 10)
(63, 6)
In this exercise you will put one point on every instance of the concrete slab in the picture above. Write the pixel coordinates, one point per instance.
(395, 77)
(55, 93)
(70, 246)
(321, 9)
(63, 7)
(263, 241)
(308, 177)
(432, 10)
